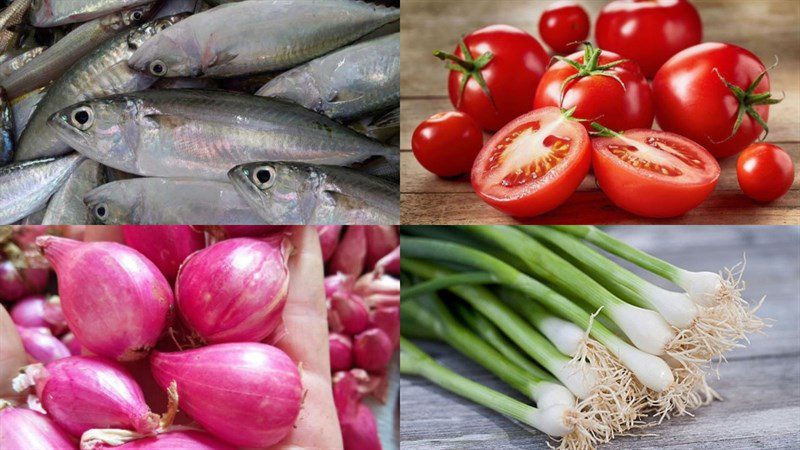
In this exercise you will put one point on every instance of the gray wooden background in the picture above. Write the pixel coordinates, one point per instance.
(760, 384)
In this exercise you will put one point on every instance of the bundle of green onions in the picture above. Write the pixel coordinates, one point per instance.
(597, 348)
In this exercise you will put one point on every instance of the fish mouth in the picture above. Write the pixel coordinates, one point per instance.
(246, 189)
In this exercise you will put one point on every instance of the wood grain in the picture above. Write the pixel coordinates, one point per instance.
(767, 28)
(760, 384)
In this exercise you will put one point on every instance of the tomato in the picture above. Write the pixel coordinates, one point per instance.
(563, 26)
(533, 164)
(499, 74)
(605, 90)
(653, 173)
(447, 143)
(700, 92)
(765, 172)
(648, 31)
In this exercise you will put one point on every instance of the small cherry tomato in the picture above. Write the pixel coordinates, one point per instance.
(563, 26)
(493, 74)
(714, 94)
(648, 31)
(533, 164)
(765, 172)
(653, 173)
(601, 86)
(447, 143)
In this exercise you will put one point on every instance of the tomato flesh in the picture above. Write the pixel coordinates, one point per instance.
(765, 172)
(533, 164)
(653, 173)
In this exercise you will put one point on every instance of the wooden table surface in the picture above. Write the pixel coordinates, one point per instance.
(760, 384)
(765, 27)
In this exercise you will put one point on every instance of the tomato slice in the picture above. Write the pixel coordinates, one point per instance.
(533, 164)
(654, 173)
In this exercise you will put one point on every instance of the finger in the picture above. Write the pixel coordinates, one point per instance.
(12, 356)
(306, 341)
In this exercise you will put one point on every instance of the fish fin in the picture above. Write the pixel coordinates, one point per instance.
(211, 58)
(342, 97)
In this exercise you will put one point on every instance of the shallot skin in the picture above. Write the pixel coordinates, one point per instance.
(247, 394)
(22, 428)
(115, 300)
(41, 345)
(85, 392)
(175, 440)
(235, 290)
(167, 246)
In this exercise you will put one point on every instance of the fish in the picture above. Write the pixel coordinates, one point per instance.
(185, 83)
(11, 16)
(349, 83)
(175, 7)
(25, 187)
(52, 13)
(203, 134)
(169, 201)
(102, 72)
(383, 127)
(258, 36)
(307, 194)
(57, 59)
(66, 206)
(386, 168)
(7, 139)
(22, 109)
(34, 218)
(13, 64)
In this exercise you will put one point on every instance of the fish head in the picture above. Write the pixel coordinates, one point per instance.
(112, 204)
(281, 193)
(106, 130)
(173, 53)
(144, 32)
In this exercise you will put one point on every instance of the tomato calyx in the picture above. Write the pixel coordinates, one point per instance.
(470, 68)
(747, 100)
(604, 132)
(590, 67)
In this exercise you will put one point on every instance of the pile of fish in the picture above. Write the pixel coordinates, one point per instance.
(199, 111)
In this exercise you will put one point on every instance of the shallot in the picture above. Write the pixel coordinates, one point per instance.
(381, 239)
(350, 312)
(38, 311)
(235, 290)
(16, 283)
(115, 300)
(328, 239)
(41, 345)
(167, 246)
(22, 428)
(84, 392)
(351, 253)
(247, 394)
(372, 349)
(72, 343)
(175, 440)
(341, 351)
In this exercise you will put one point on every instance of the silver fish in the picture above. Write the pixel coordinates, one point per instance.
(298, 193)
(22, 109)
(51, 13)
(348, 83)
(34, 218)
(66, 206)
(169, 200)
(382, 128)
(25, 187)
(13, 64)
(57, 59)
(203, 134)
(258, 36)
(6, 130)
(174, 7)
(100, 73)
(12, 15)
(185, 83)
(386, 168)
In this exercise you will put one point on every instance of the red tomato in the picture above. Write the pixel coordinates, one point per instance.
(653, 173)
(503, 67)
(562, 24)
(696, 96)
(447, 143)
(618, 96)
(533, 164)
(648, 31)
(765, 172)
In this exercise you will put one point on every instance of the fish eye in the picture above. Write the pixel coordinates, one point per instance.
(82, 118)
(137, 15)
(101, 211)
(157, 68)
(263, 177)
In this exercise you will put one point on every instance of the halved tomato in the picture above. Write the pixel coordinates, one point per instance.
(654, 173)
(533, 164)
